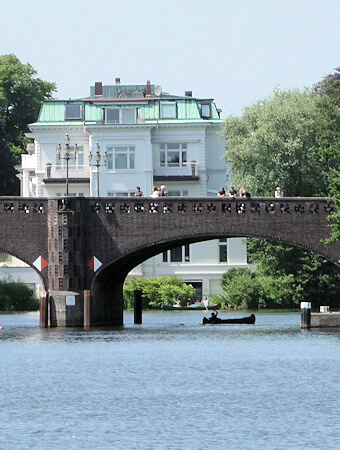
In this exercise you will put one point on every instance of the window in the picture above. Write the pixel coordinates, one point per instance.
(178, 193)
(121, 115)
(223, 250)
(73, 112)
(206, 113)
(198, 288)
(168, 110)
(75, 162)
(178, 254)
(173, 155)
(121, 158)
(70, 194)
(120, 194)
(112, 115)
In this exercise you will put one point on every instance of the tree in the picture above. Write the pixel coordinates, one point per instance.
(315, 279)
(158, 291)
(9, 183)
(273, 144)
(289, 139)
(21, 95)
(245, 290)
(328, 144)
(17, 296)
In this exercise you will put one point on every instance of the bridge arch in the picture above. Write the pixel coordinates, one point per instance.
(305, 231)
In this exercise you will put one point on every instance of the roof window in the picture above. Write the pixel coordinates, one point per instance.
(169, 110)
(206, 110)
(73, 112)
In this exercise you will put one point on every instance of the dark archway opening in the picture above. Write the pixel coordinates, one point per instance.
(107, 287)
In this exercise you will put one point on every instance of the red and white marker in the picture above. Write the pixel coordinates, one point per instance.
(94, 264)
(40, 263)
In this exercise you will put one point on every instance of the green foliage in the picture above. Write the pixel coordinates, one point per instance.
(17, 296)
(315, 279)
(274, 144)
(9, 183)
(157, 292)
(21, 95)
(291, 140)
(335, 218)
(243, 289)
(285, 276)
(329, 138)
(228, 276)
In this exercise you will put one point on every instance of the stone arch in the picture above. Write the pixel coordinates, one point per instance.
(107, 285)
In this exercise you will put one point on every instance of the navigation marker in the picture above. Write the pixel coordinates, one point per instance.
(40, 263)
(94, 264)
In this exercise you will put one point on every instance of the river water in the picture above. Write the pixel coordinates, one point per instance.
(170, 383)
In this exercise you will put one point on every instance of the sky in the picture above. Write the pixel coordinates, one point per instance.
(234, 51)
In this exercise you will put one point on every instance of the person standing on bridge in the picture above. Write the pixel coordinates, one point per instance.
(278, 193)
(163, 192)
(155, 192)
(138, 192)
(221, 193)
(233, 192)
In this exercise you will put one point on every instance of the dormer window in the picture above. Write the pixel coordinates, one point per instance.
(73, 112)
(206, 110)
(120, 115)
(168, 110)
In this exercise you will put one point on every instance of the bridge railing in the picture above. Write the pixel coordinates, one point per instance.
(194, 205)
(30, 205)
(174, 205)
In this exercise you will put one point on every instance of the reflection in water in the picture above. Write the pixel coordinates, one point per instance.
(169, 383)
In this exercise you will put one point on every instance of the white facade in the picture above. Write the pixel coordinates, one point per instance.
(163, 139)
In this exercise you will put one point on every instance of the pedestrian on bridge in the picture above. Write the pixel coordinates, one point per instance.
(278, 192)
(138, 192)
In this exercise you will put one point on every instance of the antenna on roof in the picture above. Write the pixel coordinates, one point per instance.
(158, 90)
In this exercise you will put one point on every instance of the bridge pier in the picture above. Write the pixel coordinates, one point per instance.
(87, 309)
(138, 306)
(107, 302)
(43, 310)
(305, 315)
(66, 309)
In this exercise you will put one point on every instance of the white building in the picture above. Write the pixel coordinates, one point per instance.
(148, 138)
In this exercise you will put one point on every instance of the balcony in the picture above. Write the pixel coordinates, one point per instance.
(188, 171)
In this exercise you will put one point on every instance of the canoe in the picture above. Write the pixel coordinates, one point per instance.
(214, 320)
(189, 308)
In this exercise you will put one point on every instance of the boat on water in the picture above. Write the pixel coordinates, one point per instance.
(189, 308)
(214, 320)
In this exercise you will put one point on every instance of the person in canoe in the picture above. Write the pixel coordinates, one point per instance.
(216, 320)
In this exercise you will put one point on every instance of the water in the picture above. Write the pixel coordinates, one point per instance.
(170, 383)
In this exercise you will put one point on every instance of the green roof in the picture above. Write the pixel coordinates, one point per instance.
(92, 110)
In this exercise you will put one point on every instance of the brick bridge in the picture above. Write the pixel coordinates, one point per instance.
(89, 244)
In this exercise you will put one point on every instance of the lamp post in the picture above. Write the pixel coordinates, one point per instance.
(67, 155)
(97, 158)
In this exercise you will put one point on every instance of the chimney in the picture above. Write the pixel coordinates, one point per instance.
(98, 89)
(188, 93)
(117, 81)
(148, 89)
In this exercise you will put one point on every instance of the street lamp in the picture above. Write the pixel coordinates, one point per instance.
(67, 155)
(97, 158)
